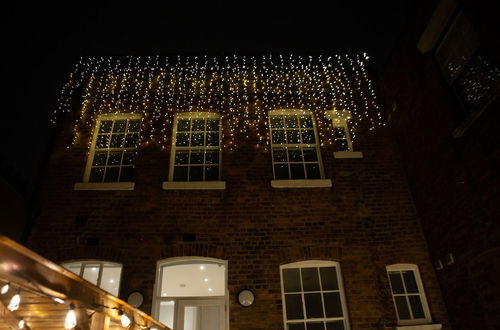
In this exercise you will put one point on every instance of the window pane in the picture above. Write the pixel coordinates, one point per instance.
(198, 125)
(297, 171)
(279, 155)
(291, 280)
(278, 137)
(131, 140)
(212, 139)
(339, 132)
(117, 140)
(328, 278)
(314, 306)
(294, 309)
(308, 136)
(181, 157)
(197, 139)
(74, 268)
(112, 174)
(167, 313)
(333, 306)
(295, 155)
(402, 307)
(211, 173)
(335, 325)
(134, 125)
(105, 126)
(91, 273)
(128, 158)
(342, 145)
(313, 171)
(310, 155)
(396, 282)
(306, 122)
(295, 326)
(315, 326)
(182, 125)
(277, 122)
(410, 283)
(196, 173)
(115, 158)
(212, 157)
(180, 173)
(127, 174)
(96, 174)
(119, 126)
(100, 158)
(102, 141)
(196, 157)
(416, 307)
(291, 121)
(182, 139)
(293, 136)
(310, 279)
(281, 171)
(212, 124)
(110, 280)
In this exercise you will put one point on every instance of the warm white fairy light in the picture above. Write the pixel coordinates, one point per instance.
(5, 288)
(70, 320)
(21, 324)
(14, 302)
(124, 319)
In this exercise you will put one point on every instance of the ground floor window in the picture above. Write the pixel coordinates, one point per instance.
(105, 275)
(191, 293)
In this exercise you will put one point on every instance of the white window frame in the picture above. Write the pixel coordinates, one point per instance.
(297, 183)
(341, 119)
(100, 264)
(421, 292)
(216, 184)
(316, 263)
(158, 298)
(122, 185)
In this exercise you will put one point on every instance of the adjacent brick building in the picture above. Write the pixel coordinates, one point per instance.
(315, 235)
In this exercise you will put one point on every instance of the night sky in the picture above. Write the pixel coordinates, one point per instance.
(41, 45)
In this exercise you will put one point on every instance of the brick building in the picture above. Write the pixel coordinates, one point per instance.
(184, 192)
(443, 109)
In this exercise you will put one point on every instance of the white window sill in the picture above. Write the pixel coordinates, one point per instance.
(104, 186)
(348, 154)
(194, 185)
(316, 183)
(436, 326)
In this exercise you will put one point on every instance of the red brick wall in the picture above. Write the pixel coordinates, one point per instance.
(365, 221)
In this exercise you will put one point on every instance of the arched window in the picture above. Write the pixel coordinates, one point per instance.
(313, 296)
(408, 294)
(104, 274)
(191, 292)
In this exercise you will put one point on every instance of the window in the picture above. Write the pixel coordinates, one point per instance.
(196, 152)
(114, 147)
(191, 293)
(105, 275)
(294, 144)
(408, 294)
(313, 296)
(341, 134)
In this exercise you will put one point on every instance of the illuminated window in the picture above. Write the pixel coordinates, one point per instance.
(294, 143)
(196, 152)
(191, 293)
(408, 294)
(113, 149)
(103, 274)
(313, 296)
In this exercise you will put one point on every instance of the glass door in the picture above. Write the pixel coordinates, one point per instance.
(206, 314)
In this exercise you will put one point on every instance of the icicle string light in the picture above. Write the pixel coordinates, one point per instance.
(242, 89)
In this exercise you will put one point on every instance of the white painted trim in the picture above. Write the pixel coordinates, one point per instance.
(436, 326)
(313, 183)
(347, 154)
(194, 185)
(104, 186)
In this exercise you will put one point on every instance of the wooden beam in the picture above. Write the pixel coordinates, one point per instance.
(10, 318)
(99, 321)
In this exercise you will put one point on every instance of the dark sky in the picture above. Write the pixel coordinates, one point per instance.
(41, 44)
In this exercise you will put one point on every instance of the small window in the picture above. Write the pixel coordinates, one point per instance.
(196, 147)
(313, 296)
(294, 143)
(114, 148)
(408, 294)
(106, 275)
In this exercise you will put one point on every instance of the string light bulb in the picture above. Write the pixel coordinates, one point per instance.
(124, 319)
(21, 324)
(70, 320)
(15, 301)
(5, 288)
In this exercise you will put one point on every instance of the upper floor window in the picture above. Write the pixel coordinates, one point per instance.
(105, 275)
(196, 152)
(313, 296)
(408, 294)
(113, 149)
(294, 144)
